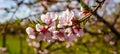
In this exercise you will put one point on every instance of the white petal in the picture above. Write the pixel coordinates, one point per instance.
(38, 27)
(31, 36)
(29, 30)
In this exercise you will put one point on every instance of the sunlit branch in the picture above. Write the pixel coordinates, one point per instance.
(101, 19)
(90, 13)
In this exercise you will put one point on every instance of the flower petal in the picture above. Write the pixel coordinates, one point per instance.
(38, 27)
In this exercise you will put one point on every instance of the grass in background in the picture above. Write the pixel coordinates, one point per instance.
(13, 45)
(98, 47)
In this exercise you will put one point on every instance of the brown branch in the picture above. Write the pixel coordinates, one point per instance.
(90, 13)
(101, 19)
(107, 24)
(18, 5)
(112, 28)
(84, 18)
(29, 4)
(115, 20)
(49, 45)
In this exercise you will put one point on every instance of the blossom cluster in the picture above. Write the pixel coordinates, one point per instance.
(57, 26)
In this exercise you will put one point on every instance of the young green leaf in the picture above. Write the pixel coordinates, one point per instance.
(84, 22)
(84, 6)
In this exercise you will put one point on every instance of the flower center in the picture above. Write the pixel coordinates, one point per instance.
(50, 22)
(60, 34)
(44, 30)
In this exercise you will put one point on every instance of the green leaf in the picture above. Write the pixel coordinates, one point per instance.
(84, 22)
(40, 22)
(93, 6)
(18, 20)
(66, 27)
(57, 22)
(84, 6)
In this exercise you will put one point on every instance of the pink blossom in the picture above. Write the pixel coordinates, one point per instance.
(59, 35)
(40, 28)
(55, 30)
(52, 28)
(49, 18)
(44, 36)
(44, 33)
(30, 32)
(71, 36)
(65, 19)
(78, 31)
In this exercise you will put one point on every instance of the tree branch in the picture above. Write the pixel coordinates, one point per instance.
(90, 13)
(101, 19)
(116, 18)
(16, 9)
(107, 24)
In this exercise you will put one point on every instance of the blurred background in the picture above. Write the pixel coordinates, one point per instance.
(101, 34)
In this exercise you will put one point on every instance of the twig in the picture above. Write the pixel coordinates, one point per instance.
(4, 36)
(102, 19)
(16, 9)
(116, 18)
(90, 14)
(107, 24)
(49, 45)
